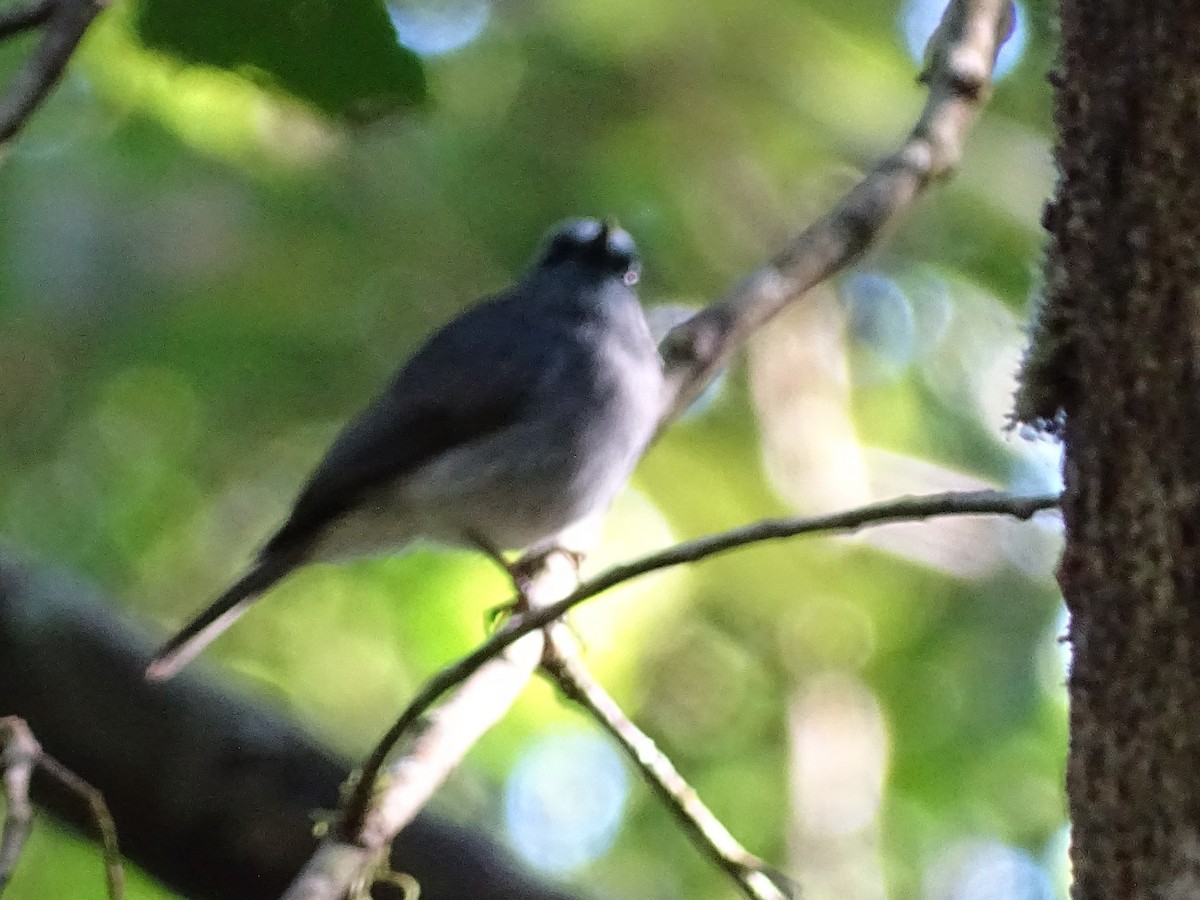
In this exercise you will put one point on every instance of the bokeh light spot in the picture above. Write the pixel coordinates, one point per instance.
(840, 752)
(987, 870)
(435, 27)
(881, 324)
(564, 801)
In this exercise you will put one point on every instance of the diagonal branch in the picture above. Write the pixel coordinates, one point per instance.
(64, 23)
(755, 878)
(106, 828)
(958, 71)
(905, 509)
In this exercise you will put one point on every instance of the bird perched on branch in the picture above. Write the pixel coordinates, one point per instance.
(513, 427)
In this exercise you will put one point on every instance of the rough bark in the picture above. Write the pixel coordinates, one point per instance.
(212, 793)
(1117, 349)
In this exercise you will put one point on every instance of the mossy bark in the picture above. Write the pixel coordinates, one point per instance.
(1115, 365)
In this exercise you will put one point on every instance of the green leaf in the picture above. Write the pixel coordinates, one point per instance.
(340, 56)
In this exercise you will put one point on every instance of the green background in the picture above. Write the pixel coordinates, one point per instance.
(226, 228)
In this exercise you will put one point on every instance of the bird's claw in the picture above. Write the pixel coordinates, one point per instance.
(521, 572)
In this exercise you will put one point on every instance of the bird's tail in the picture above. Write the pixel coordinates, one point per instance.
(223, 612)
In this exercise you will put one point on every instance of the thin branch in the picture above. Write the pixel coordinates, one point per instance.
(22, 18)
(21, 754)
(64, 22)
(960, 58)
(18, 757)
(904, 509)
(106, 828)
(753, 876)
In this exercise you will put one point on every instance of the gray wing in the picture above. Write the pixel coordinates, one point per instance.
(473, 377)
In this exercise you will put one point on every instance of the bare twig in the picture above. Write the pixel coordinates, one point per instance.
(106, 828)
(958, 70)
(18, 755)
(756, 879)
(64, 23)
(21, 755)
(902, 509)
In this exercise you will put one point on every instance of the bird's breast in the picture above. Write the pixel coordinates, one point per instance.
(563, 459)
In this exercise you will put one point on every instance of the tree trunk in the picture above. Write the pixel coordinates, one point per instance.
(1117, 349)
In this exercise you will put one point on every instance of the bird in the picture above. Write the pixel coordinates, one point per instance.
(513, 427)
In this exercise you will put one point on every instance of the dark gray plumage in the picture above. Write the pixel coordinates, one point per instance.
(514, 426)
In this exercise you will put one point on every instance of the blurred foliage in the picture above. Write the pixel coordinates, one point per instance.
(340, 56)
(202, 278)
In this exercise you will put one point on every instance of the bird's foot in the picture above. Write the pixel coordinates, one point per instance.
(525, 569)
(529, 566)
(521, 581)
(521, 572)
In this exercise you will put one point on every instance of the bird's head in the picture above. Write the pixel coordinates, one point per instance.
(592, 244)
